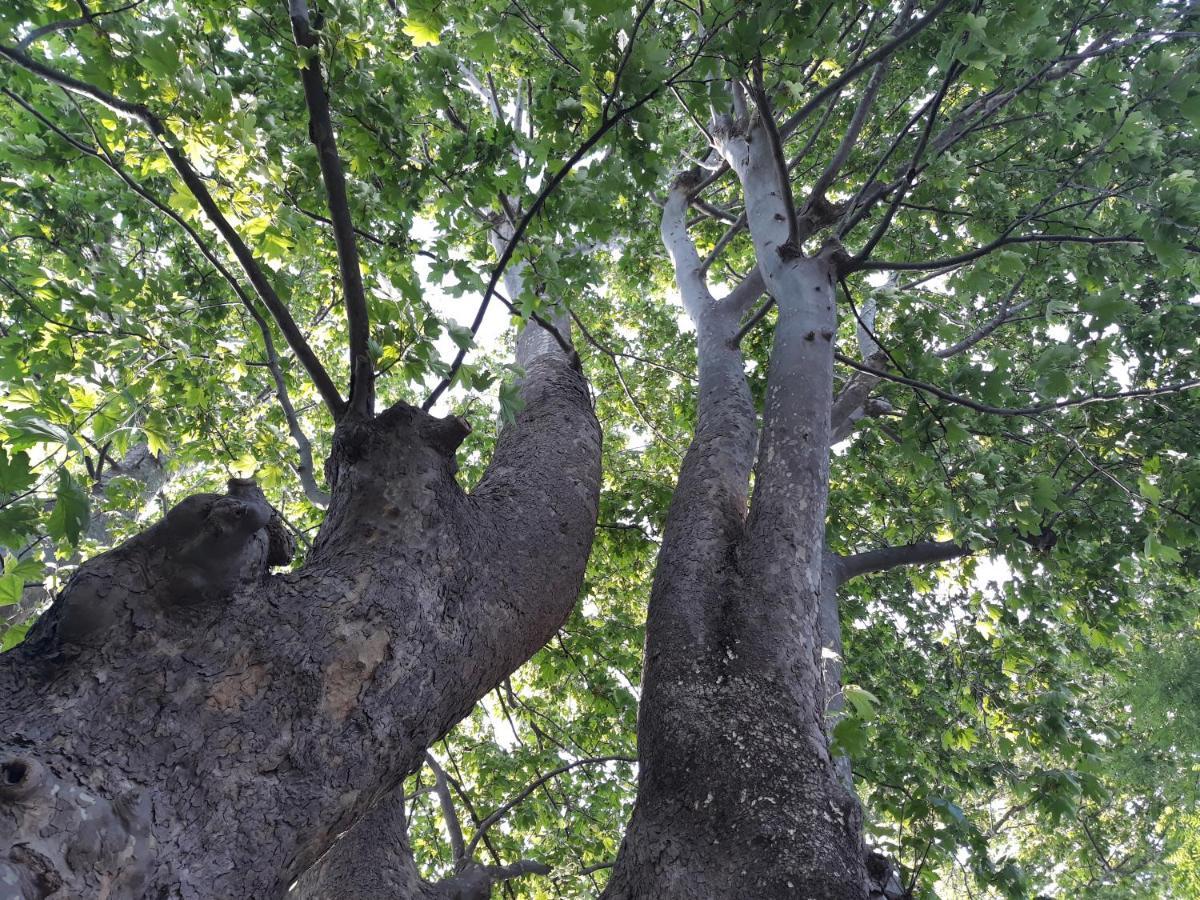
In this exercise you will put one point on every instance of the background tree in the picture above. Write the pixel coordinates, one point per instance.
(1022, 176)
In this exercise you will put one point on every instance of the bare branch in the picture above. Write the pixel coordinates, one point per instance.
(320, 131)
(891, 557)
(857, 120)
(449, 813)
(630, 43)
(745, 293)
(519, 232)
(533, 786)
(612, 356)
(67, 24)
(753, 321)
(910, 173)
(875, 56)
(1006, 314)
(972, 255)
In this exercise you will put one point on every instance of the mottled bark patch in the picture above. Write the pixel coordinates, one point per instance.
(355, 660)
(232, 690)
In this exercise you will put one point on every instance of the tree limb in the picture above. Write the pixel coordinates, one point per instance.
(305, 470)
(519, 232)
(533, 786)
(885, 558)
(320, 131)
(857, 120)
(66, 24)
(875, 56)
(449, 814)
(1104, 397)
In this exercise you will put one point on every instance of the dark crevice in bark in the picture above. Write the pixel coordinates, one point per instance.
(203, 728)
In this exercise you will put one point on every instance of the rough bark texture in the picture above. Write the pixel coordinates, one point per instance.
(183, 724)
(737, 794)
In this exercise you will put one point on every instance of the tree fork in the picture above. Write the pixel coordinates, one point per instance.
(184, 722)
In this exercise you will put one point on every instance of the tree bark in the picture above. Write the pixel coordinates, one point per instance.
(183, 724)
(737, 793)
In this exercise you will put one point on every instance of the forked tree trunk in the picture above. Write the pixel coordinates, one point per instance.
(372, 860)
(182, 724)
(737, 793)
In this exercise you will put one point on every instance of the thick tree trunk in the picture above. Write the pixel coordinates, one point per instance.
(737, 794)
(372, 860)
(182, 724)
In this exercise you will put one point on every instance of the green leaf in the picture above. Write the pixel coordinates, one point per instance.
(422, 33)
(511, 402)
(17, 522)
(14, 636)
(11, 589)
(863, 701)
(28, 430)
(70, 514)
(15, 474)
(461, 336)
(29, 569)
(849, 737)
(158, 434)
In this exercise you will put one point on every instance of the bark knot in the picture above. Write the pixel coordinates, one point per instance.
(203, 550)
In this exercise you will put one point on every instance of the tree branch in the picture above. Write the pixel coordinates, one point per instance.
(857, 120)
(520, 229)
(1006, 314)
(881, 560)
(66, 24)
(195, 184)
(910, 173)
(305, 470)
(1174, 388)
(763, 103)
(320, 131)
(972, 255)
(533, 786)
(875, 56)
(449, 813)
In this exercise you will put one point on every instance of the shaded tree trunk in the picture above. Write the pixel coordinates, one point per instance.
(184, 724)
(737, 793)
(374, 860)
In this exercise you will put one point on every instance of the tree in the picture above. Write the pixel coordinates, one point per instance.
(957, 245)
(732, 750)
(312, 691)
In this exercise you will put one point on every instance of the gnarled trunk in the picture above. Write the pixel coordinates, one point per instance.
(183, 724)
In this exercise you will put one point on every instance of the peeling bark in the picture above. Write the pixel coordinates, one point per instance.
(184, 724)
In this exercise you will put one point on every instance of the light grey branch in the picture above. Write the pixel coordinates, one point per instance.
(449, 813)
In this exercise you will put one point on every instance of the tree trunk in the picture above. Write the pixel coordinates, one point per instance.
(374, 861)
(183, 724)
(737, 794)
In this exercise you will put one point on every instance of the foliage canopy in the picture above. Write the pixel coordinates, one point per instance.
(1024, 719)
